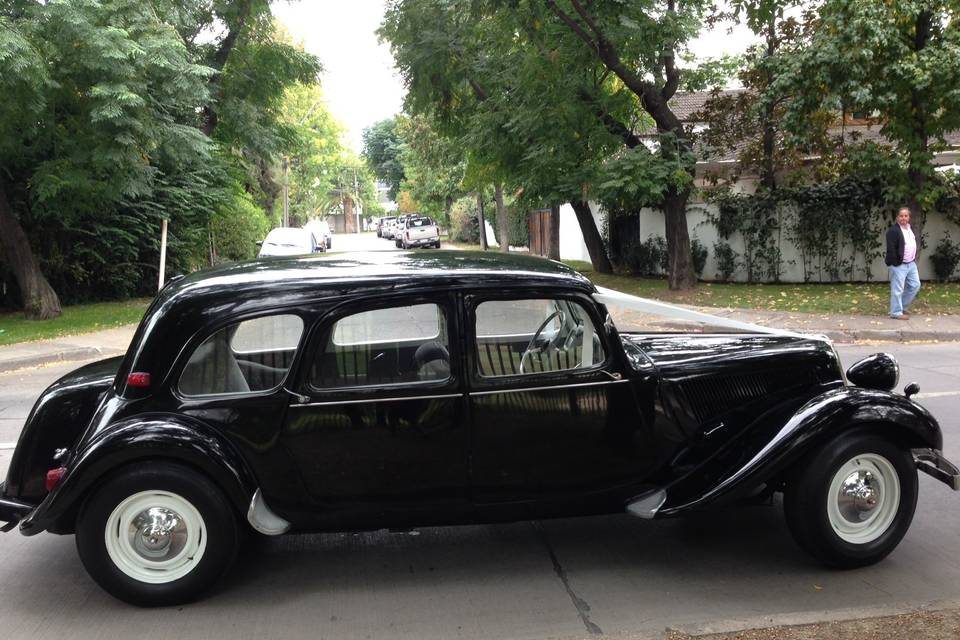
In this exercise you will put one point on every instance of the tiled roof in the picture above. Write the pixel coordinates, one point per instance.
(685, 103)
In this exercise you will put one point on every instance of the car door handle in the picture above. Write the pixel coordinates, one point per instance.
(299, 398)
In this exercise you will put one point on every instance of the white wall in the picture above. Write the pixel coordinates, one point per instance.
(651, 224)
(572, 246)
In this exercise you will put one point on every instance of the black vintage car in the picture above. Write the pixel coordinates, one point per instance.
(406, 389)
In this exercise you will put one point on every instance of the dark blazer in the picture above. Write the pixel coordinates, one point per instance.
(895, 244)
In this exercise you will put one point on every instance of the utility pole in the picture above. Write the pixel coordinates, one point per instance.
(286, 191)
(356, 205)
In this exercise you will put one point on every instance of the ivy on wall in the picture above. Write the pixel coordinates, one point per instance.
(835, 227)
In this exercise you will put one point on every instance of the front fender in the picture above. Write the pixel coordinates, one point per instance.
(142, 438)
(815, 423)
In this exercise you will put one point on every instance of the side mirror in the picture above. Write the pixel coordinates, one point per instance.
(259, 243)
(877, 371)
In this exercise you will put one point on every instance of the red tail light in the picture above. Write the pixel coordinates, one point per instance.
(140, 380)
(54, 476)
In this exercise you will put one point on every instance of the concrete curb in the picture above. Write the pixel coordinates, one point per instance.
(62, 355)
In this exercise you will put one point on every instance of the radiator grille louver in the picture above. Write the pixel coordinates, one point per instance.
(713, 396)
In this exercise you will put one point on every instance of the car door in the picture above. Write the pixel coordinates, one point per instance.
(553, 417)
(379, 430)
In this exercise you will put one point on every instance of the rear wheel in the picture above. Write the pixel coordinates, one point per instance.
(157, 534)
(852, 502)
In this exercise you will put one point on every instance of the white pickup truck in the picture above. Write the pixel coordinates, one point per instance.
(418, 232)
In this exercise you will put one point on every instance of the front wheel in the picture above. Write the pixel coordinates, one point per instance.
(853, 501)
(157, 534)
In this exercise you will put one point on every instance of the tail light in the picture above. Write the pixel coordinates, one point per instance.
(139, 379)
(53, 478)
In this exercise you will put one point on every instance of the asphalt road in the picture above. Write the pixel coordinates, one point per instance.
(611, 576)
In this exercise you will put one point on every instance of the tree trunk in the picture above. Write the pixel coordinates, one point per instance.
(481, 222)
(40, 301)
(349, 219)
(503, 219)
(680, 274)
(553, 242)
(591, 237)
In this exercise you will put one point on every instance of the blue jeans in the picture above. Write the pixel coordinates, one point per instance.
(904, 285)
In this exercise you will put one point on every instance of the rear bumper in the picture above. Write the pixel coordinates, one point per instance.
(422, 241)
(12, 511)
(932, 462)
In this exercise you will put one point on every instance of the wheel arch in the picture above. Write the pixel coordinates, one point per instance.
(137, 441)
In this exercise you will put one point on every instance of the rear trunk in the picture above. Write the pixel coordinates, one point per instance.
(56, 421)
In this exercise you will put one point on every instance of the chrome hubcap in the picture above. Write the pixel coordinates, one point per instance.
(863, 498)
(155, 537)
(157, 533)
(859, 495)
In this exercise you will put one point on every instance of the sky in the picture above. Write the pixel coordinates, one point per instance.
(359, 81)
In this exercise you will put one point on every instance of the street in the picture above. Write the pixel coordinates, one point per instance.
(611, 576)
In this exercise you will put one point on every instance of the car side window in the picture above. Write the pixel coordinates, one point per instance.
(538, 335)
(404, 344)
(244, 357)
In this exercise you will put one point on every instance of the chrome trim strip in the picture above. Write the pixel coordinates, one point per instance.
(369, 400)
(551, 387)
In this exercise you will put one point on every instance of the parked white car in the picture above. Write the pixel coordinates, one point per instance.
(321, 229)
(289, 241)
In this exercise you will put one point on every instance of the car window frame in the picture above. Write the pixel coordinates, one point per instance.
(322, 331)
(183, 358)
(541, 378)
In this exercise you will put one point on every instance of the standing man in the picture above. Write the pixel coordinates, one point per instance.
(901, 259)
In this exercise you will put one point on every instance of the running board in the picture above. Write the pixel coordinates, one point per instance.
(647, 504)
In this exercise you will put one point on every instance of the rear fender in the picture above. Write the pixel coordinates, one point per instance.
(817, 422)
(146, 437)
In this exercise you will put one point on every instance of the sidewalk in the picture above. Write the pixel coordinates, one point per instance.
(86, 346)
(839, 327)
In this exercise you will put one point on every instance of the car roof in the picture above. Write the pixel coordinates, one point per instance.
(187, 305)
(288, 234)
(378, 267)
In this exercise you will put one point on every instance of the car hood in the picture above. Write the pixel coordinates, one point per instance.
(682, 355)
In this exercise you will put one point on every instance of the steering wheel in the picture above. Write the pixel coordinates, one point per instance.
(543, 325)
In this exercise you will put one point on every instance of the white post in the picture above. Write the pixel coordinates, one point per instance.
(163, 252)
(286, 191)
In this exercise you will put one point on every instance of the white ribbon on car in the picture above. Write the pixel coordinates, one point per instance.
(634, 303)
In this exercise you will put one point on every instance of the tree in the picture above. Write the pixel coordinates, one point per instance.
(105, 122)
(433, 165)
(381, 149)
(896, 61)
(98, 121)
(315, 151)
(549, 93)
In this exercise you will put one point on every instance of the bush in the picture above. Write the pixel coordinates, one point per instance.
(699, 253)
(945, 258)
(727, 262)
(648, 258)
(464, 226)
(236, 227)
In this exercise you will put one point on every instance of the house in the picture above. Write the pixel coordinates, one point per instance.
(715, 163)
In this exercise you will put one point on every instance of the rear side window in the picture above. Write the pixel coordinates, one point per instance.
(244, 357)
(407, 344)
